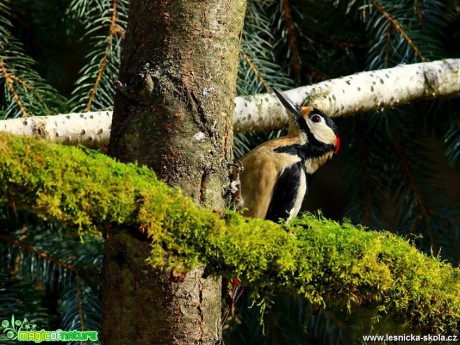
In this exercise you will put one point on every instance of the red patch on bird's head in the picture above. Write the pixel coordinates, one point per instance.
(337, 144)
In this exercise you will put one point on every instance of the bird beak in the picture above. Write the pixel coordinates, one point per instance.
(288, 104)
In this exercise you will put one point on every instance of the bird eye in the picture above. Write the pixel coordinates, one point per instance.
(315, 118)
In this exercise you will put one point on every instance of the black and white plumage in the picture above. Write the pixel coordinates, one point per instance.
(276, 174)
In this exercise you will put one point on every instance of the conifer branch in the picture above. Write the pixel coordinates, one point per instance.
(388, 46)
(113, 30)
(398, 28)
(26, 93)
(330, 41)
(9, 82)
(255, 70)
(80, 272)
(45, 256)
(296, 63)
(418, 10)
(424, 212)
(79, 304)
(364, 159)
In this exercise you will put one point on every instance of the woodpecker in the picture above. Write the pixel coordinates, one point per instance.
(271, 181)
(275, 178)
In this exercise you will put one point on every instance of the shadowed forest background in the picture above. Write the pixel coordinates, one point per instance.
(397, 170)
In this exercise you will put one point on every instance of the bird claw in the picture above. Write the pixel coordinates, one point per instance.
(234, 187)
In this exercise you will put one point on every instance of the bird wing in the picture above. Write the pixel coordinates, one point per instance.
(257, 182)
(288, 194)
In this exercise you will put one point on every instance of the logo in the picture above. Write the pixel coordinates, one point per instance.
(18, 330)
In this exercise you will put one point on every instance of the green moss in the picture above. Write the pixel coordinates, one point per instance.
(327, 262)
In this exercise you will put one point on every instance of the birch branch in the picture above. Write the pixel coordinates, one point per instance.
(360, 92)
(90, 129)
(345, 96)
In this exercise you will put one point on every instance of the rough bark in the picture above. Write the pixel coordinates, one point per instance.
(142, 305)
(173, 113)
(339, 97)
(180, 79)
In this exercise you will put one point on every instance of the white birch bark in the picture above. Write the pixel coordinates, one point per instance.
(345, 96)
(90, 129)
(360, 92)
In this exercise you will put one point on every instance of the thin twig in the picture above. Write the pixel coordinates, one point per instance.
(296, 63)
(79, 304)
(424, 213)
(114, 29)
(55, 261)
(364, 158)
(31, 89)
(119, 31)
(388, 47)
(254, 69)
(315, 38)
(38, 252)
(418, 11)
(398, 28)
(9, 82)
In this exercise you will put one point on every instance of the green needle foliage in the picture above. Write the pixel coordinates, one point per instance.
(326, 262)
(23, 92)
(48, 276)
(104, 23)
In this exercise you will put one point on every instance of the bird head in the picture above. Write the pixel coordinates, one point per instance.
(311, 122)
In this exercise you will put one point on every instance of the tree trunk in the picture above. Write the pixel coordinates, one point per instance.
(173, 112)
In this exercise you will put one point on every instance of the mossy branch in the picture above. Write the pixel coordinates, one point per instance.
(327, 262)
